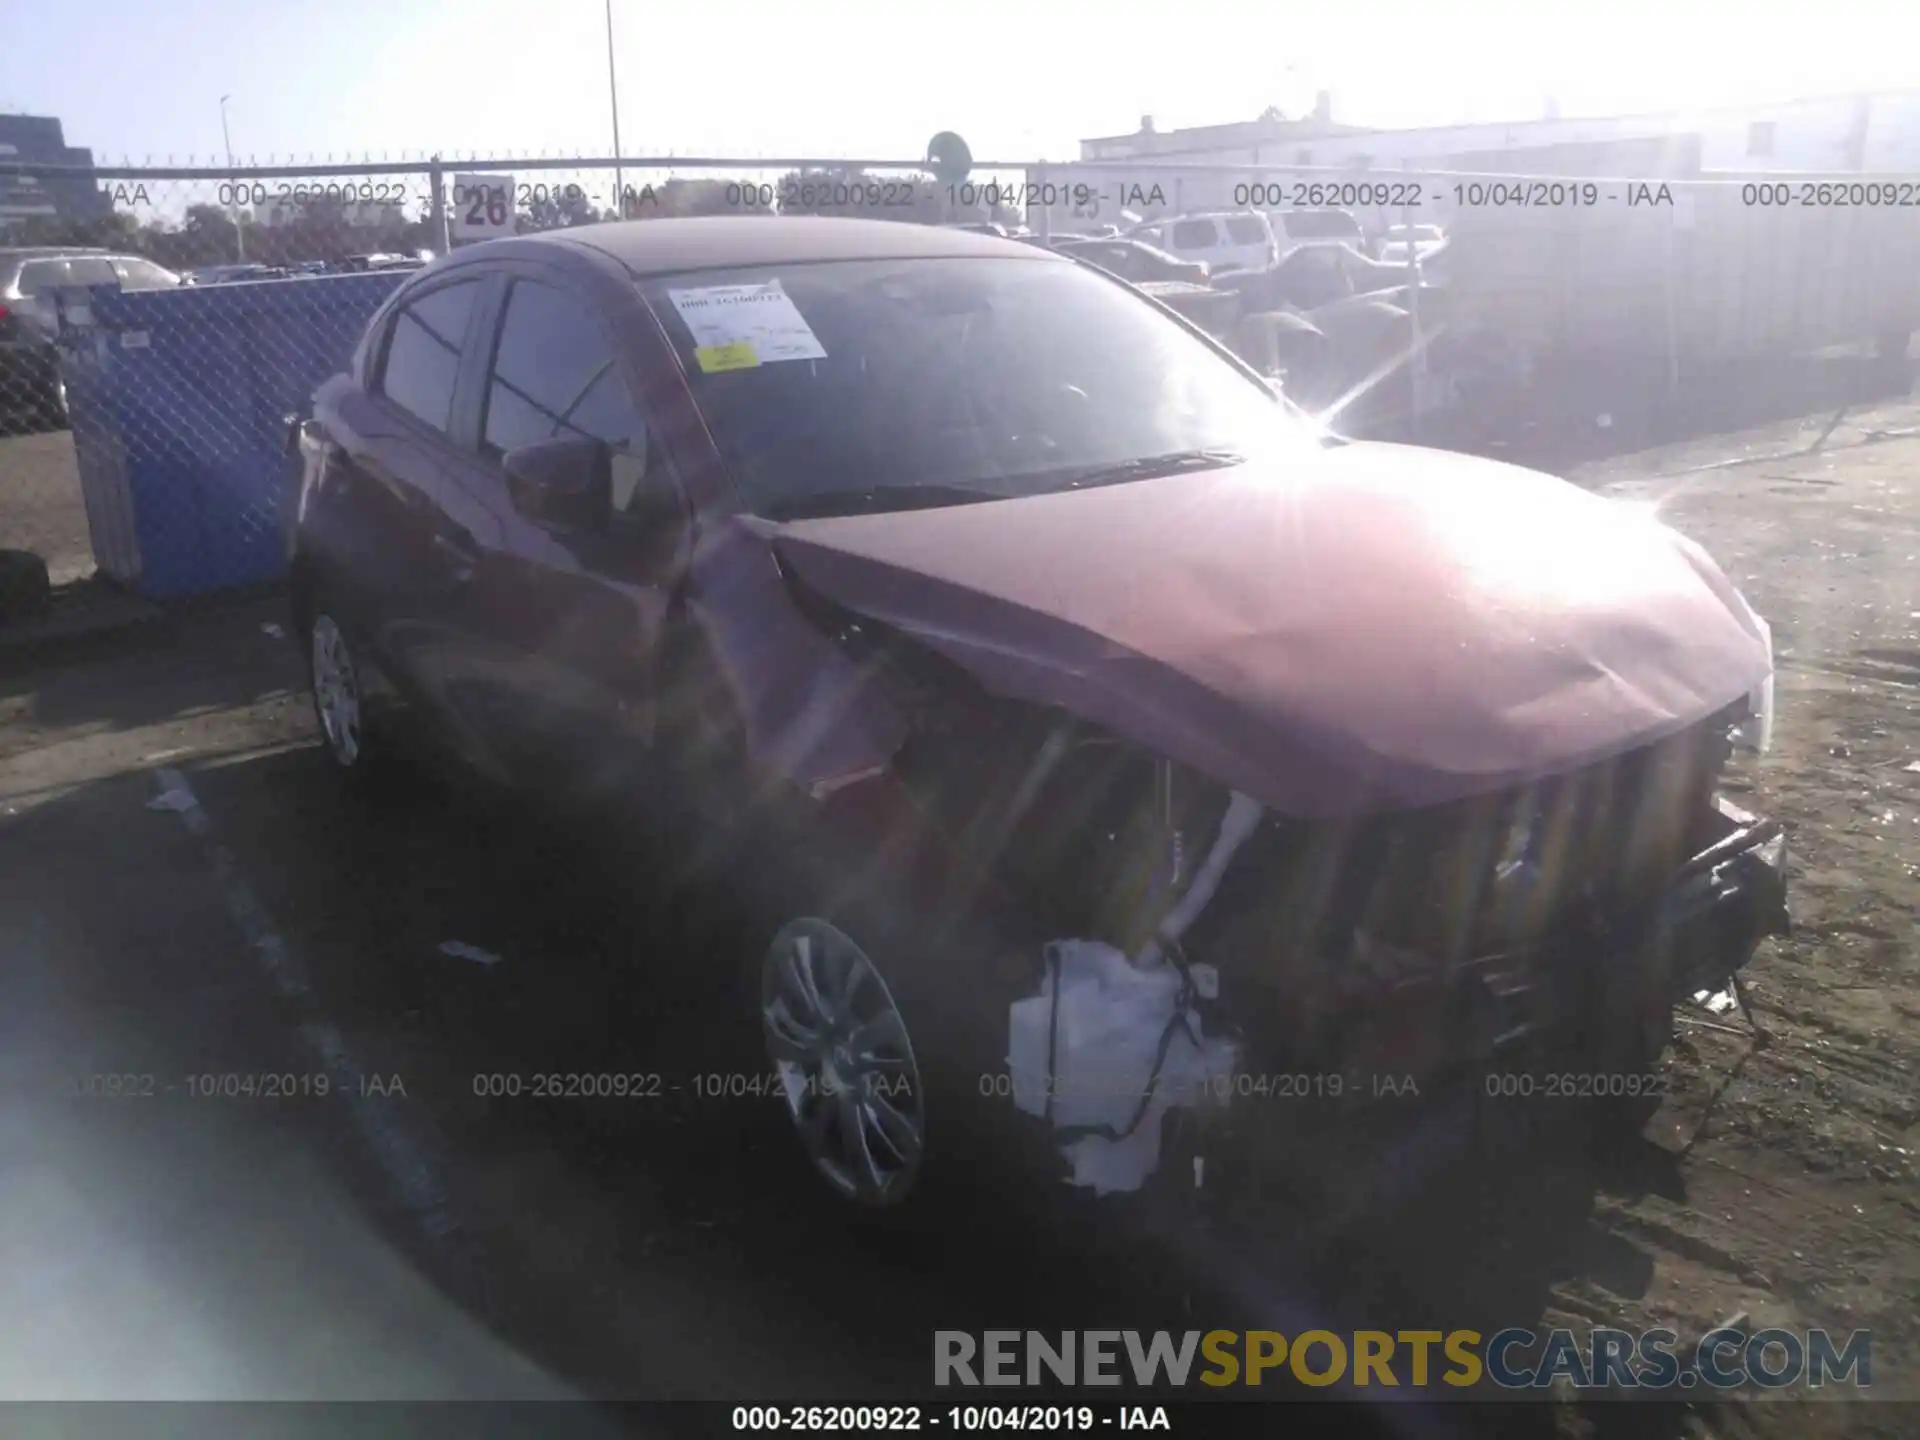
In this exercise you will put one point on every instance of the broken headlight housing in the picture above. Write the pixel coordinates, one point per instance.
(1755, 731)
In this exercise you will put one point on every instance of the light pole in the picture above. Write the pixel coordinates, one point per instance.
(233, 204)
(613, 97)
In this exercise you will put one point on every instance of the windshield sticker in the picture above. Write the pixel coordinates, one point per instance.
(761, 318)
(737, 356)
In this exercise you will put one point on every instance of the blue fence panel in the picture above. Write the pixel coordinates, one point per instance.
(178, 399)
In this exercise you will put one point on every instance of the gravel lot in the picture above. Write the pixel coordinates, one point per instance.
(188, 1246)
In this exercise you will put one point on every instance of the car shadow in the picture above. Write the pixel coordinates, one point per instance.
(683, 1229)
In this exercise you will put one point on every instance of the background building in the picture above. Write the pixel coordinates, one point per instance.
(38, 140)
(1877, 132)
(1144, 175)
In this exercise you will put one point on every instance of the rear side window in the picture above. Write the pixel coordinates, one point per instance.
(423, 352)
(1245, 230)
(39, 276)
(1195, 235)
(42, 277)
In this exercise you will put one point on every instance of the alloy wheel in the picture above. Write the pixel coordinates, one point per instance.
(336, 691)
(846, 1066)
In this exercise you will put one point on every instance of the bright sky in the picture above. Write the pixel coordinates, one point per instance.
(1018, 78)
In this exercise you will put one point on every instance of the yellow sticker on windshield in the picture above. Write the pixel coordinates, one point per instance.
(736, 356)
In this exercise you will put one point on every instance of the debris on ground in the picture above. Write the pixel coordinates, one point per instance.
(460, 950)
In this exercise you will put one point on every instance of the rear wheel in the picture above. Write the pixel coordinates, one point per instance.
(51, 402)
(24, 585)
(339, 699)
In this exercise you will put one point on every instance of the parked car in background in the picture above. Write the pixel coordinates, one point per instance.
(1249, 239)
(1311, 227)
(233, 274)
(1401, 243)
(872, 563)
(32, 392)
(1134, 260)
(1312, 275)
(377, 260)
(1238, 240)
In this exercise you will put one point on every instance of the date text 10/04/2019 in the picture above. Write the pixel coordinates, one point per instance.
(1042, 1419)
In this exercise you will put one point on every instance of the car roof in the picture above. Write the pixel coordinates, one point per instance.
(720, 242)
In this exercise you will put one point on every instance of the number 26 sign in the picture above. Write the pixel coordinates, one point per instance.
(481, 207)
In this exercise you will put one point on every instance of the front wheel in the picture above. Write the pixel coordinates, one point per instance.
(882, 1017)
(840, 1048)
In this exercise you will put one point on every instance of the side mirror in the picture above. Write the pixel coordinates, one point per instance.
(565, 483)
(653, 517)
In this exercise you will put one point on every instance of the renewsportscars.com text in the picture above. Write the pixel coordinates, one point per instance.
(1517, 1358)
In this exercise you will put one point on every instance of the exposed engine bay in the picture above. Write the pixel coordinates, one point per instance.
(1202, 933)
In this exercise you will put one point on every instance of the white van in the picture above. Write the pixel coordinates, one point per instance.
(1247, 239)
(1239, 240)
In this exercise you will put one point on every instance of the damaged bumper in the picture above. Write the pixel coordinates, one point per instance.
(1593, 999)
(1607, 992)
(1730, 897)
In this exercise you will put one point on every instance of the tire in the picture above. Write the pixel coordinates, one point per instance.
(24, 584)
(924, 1003)
(353, 745)
(50, 402)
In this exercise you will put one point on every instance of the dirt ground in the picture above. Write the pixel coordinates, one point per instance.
(443, 1244)
(1798, 1161)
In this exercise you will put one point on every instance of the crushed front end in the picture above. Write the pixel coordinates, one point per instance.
(1528, 942)
(1204, 974)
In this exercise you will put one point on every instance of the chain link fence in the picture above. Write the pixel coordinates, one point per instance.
(135, 314)
(177, 320)
(151, 228)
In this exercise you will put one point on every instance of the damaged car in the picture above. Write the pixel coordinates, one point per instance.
(1076, 727)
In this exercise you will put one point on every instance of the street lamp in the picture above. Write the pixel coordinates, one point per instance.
(233, 204)
(613, 97)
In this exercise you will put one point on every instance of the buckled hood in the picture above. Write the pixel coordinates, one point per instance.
(1342, 631)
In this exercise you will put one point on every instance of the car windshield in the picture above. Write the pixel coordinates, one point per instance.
(856, 384)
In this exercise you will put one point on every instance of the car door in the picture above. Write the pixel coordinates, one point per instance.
(386, 533)
(1129, 262)
(565, 622)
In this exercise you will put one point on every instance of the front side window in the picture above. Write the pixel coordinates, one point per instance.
(144, 275)
(90, 270)
(423, 352)
(1194, 235)
(880, 385)
(554, 373)
(1245, 230)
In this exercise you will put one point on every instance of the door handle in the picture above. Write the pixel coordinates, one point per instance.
(456, 555)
